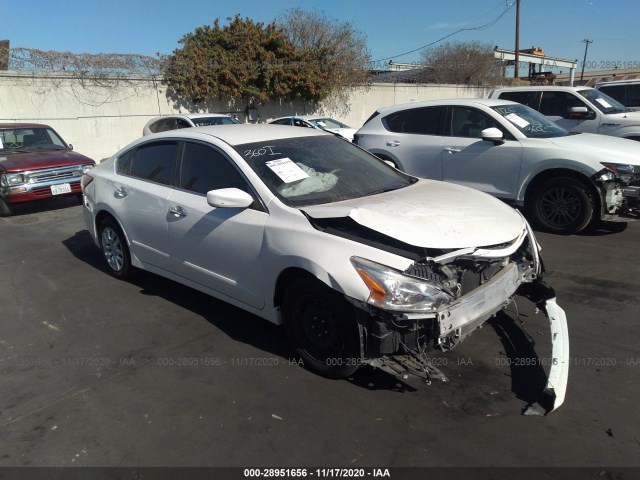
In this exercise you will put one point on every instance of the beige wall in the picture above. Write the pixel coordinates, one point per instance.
(99, 117)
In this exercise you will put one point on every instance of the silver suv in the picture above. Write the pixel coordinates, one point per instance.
(513, 152)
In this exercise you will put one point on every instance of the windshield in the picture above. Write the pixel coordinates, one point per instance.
(530, 122)
(306, 171)
(204, 121)
(602, 101)
(30, 140)
(328, 123)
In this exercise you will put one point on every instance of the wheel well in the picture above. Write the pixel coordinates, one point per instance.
(287, 277)
(101, 216)
(563, 172)
(637, 139)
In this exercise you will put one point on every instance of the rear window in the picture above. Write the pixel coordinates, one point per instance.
(527, 98)
(154, 162)
(424, 121)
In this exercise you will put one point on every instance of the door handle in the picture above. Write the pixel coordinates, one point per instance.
(452, 150)
(393, 143)
(120, 192)
(178, 212)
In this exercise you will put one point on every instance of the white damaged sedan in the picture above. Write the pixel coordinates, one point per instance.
(362, 263)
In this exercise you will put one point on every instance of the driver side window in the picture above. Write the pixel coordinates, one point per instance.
(204, 168)
(559, 103)
(469, 122)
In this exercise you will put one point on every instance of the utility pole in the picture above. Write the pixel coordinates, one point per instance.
(515, 71)
(586, 41)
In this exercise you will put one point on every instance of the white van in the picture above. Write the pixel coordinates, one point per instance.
(577, 109)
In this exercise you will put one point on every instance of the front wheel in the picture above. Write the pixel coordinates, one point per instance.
(114, 249)
(322, 328)
(561, 205)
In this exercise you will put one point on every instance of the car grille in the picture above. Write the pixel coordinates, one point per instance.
(52, 174)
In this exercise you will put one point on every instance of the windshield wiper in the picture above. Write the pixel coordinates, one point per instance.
(382, 190)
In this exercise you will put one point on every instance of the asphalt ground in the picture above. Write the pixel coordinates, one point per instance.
(100, 372)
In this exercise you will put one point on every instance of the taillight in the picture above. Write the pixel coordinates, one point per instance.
(85, 180)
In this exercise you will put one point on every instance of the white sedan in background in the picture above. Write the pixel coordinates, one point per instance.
(186, 120)
(362, 263)
(322, 123)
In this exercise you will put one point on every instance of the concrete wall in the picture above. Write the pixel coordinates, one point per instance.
(101, 116)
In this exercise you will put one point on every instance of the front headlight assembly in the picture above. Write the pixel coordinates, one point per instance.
(625, 172)
(390, 289)
(10, 179)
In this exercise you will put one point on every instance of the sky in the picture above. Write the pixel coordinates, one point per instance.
(391, 28)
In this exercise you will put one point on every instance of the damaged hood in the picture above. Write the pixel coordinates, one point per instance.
(431, 214)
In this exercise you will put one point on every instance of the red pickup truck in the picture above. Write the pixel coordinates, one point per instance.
(36, 163)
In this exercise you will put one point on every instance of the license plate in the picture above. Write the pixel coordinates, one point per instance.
(60, 189)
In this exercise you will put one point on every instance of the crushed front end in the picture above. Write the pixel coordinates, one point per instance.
(619, 186)
(439, 301)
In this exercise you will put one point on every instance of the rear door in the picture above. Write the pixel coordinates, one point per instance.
(140, 194)
(413, 139)
(469, 160)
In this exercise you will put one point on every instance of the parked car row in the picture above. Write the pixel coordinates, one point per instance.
(361, 260)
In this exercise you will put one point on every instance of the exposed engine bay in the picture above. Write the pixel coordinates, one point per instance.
(480, 283)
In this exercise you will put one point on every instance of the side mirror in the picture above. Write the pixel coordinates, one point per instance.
(70, 146)
(229, 198)
(581, 110)
(581, 113)
(492, 135)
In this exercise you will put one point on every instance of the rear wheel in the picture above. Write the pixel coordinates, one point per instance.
(322, 328)
(115, 249)
(561, 205)
(5, 209)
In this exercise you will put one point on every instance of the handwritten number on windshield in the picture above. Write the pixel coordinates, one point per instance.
(258, 152)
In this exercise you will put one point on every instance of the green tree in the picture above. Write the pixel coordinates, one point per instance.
(244, 60)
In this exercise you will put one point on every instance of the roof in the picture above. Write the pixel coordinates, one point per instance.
(23, 125)
(540, 87)
(198, 115)
(632, 81)
(487, 102)
(239, 134)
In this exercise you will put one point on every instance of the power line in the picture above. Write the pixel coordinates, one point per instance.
(481, 27)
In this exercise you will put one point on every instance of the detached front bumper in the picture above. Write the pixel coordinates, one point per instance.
(556, 387)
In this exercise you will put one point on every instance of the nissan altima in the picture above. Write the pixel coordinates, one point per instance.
(361, 263)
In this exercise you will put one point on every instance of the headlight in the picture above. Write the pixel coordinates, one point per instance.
(9, 179)
(86, 168)
(625, 172)
(390, 289)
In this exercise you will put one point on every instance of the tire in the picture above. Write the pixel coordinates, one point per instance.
(322, 328)
(561, 205)
(5, 209)
(114, 249)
